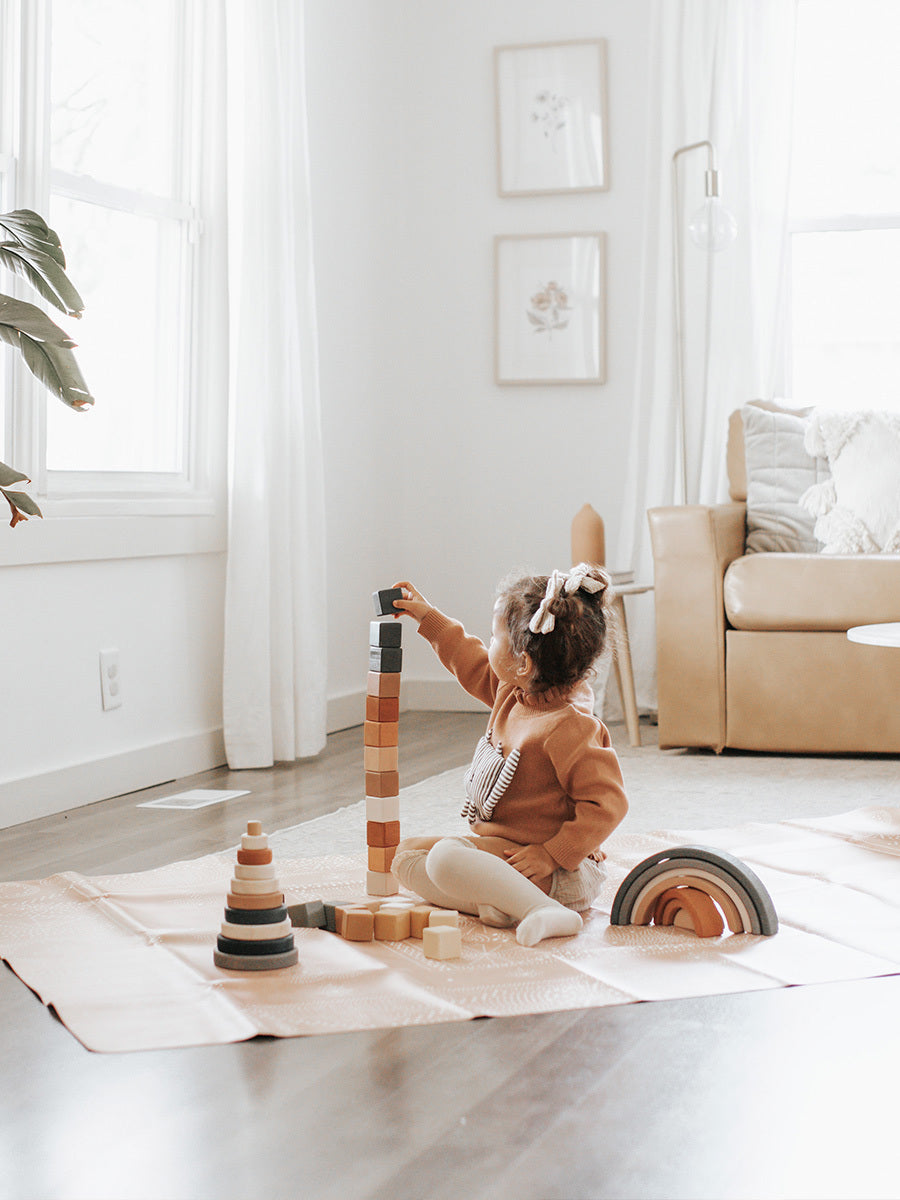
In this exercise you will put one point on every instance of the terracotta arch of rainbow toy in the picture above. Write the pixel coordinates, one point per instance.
(695, 887)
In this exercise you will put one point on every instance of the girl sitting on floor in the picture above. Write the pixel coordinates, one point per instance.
(544, 789)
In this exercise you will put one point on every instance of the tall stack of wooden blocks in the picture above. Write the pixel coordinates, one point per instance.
(382, 728)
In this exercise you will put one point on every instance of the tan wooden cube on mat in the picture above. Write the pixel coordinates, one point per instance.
(383, 684)
(391, 926)
(418, 919)
(358, 925)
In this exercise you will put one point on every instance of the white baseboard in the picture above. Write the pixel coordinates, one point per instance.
(85, 783)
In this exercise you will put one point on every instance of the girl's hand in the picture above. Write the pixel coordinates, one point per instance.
(413, 602)
(534, 862)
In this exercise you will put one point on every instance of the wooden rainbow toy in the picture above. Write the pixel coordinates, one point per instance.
(693, 887)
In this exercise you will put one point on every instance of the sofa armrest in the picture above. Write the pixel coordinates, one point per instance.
(692, 548)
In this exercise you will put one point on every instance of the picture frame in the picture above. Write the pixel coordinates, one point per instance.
(552, 117)
(550, 308)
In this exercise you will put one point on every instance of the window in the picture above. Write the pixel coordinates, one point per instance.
(845, 206)
(109, 98)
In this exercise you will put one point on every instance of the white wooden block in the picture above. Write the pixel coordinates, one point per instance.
(444, 916)
(382, 808)
(442, 942)
(379, 883)
(256, 933)
(265, 871)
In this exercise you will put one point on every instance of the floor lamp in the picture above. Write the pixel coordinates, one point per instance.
(712, 228)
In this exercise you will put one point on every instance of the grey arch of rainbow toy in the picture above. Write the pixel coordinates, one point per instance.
(702, 859)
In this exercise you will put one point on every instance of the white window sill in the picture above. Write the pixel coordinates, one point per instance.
(58, 539)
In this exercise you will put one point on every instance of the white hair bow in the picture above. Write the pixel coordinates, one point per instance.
(544, 621)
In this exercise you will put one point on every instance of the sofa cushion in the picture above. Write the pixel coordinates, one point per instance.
(779, 471)
(811, 591)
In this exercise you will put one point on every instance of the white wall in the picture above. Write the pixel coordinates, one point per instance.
(434, 473)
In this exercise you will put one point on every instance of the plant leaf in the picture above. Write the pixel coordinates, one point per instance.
(10, 475)
(21, 505)
(44, 274)
(46, 349)
(30, 229)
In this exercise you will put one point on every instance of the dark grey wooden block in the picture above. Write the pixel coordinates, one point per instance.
(308, 915)
(384, 601)
(385, 660)
(385, 633)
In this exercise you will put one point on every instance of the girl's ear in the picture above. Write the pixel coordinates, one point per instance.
(525, 665)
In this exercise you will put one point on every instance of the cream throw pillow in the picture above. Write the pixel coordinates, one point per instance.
(779, 472)
(858, 509)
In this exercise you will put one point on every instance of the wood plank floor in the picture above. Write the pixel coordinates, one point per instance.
(790, 1093)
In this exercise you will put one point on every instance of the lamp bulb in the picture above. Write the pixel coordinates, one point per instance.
(713, 227)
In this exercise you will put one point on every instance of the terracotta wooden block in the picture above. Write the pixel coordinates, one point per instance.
(381, 857)
(252, 858)
(382, 708)
(271, 900)
(702, 915)
(382, 808)
(391, 926)
(418, 919)
(441, 942)
(358, 925)
(381, 758)
(443, 916)
(383, 684)
(381, 883)
(382, 833)
(385, 633)
(382, 783)
(381, 733)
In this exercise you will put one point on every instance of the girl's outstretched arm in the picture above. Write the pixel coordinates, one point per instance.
(413, 602)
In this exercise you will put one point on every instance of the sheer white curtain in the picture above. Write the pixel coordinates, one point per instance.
(274, 674)
(721, 70)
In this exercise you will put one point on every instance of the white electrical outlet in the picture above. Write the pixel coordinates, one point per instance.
(110, 683)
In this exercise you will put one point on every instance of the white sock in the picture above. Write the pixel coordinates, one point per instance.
(461, 869)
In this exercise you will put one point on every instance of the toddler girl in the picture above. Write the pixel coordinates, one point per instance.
(544, 789)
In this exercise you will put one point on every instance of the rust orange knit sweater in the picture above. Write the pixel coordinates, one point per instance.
(567, 792)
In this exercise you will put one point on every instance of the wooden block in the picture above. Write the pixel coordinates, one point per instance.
(250, 841)
(308, 915)
(441, 942)
(382, 808)
(391, 926)
(254, 828)
(253, 858)
(384, 601)
(418, 919)
(358, 925)
(382, 783)
(382, 833)
(387, 660)
(381, 733)
(266, 871)
(381, 684)
(381, 758)
(407, 903)
(443, 916)
(381, 857)
(381, 883)
(700, 909)
(255, 933)
(278, 945)
(259, 962)
(331, 910)
(270, 900)
(382, 708)
(254, 887)
(385, 633)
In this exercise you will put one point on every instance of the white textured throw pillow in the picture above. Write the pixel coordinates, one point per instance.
(858, 509)
(779, 472)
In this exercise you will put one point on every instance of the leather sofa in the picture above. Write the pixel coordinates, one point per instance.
(752, 649)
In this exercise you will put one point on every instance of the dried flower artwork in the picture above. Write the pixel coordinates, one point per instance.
(549, 114)
(549, 309)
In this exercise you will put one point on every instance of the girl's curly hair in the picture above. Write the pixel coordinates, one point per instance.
(584, 622)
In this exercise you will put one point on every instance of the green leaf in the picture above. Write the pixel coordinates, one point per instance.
(47, 350)
(44, 274)
(30, 229)
(10, 475)
(21, 505)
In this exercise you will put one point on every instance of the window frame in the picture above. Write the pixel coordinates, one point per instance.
(85, 511)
